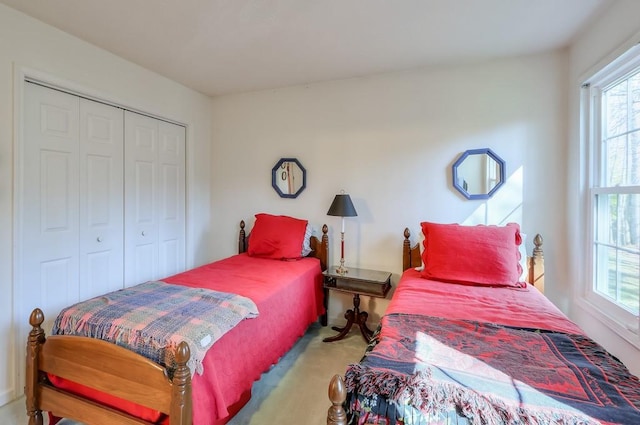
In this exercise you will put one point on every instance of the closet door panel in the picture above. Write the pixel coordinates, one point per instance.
(171, 198)
(144, 255)
(101, 198)
(58, 283)
(49, 228)
(141, 188)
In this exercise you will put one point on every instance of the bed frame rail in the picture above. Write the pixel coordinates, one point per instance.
(105, 367)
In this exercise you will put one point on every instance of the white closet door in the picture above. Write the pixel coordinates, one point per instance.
(49, 227)
(101, 198)
(141, 198)
(171, 192)
(154, 199)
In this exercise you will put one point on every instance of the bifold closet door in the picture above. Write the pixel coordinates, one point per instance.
(71, 225)
(154, 198)
(49, 214)
(172, 199)
(101, 198)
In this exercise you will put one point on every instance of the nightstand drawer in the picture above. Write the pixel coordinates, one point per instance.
(368, 282)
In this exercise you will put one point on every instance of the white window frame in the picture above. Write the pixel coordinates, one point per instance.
(615, 317)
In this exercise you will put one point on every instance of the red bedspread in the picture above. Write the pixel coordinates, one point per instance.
(500, 355)
(289, 298)
(519, 307)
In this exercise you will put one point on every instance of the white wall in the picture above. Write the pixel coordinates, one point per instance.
(27, 45)
(390, 141)
(591, 50)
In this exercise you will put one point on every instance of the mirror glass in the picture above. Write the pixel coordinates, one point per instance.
(288, 177)
(478, 173)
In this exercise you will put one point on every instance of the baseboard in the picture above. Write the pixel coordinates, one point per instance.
(6, 397)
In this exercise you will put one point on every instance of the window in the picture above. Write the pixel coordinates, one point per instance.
(612, 112)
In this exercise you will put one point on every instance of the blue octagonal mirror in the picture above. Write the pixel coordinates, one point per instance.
(288, 178)
(478, 173)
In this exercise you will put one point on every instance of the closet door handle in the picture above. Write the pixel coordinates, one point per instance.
(143, 233)
(99, 238)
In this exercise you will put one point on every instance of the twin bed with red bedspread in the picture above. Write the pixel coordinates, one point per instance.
(273, 303)
(464, 341)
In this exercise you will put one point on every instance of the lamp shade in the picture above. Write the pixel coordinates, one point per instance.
(342, 206)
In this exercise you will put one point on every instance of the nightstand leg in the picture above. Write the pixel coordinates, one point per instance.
(325, 302)
(353, 316)
(364, 329)
(350, 316)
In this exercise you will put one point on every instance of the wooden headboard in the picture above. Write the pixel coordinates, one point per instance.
(319, 247)
(535, 262)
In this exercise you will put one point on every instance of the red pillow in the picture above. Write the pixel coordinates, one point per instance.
(483, 255)
(277, 236)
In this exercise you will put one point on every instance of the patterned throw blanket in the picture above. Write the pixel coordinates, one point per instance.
(494, 374)
(154, 317)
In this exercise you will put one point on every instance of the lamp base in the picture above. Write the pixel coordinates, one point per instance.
(342, 269)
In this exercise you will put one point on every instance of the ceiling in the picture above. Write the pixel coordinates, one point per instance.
(228, 46)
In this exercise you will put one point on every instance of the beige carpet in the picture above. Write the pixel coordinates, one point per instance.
(294, 391)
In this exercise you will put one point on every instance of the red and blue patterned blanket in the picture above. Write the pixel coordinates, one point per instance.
(154, 317)
(493, 374)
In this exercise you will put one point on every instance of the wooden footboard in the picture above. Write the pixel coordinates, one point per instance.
(105, 367)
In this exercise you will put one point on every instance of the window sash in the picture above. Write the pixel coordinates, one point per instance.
(617, 250)
(607, 284)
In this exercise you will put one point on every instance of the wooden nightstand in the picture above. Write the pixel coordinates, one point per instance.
(358, 282)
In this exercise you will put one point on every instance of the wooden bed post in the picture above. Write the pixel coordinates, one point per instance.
(324, 247)
(406, 250)
(242, 240)
(337, 394)
(536, 264)
(181, 391)
(35, 341)
(411, 256)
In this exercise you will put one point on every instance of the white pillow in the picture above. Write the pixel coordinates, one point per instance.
(306, 242)
(523, 258)
(421, 246)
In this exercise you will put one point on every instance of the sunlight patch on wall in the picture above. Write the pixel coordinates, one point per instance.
(505, 206)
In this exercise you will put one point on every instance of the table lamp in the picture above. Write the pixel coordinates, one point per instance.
(342, 207)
